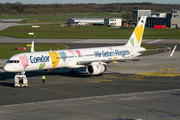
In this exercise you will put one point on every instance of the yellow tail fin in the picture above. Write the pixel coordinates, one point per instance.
(136, 37)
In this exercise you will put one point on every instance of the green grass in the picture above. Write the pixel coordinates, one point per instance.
(149, 47)
(161, 33)
(64, 15)
(8, 49)
(55, 31)
(57, 20)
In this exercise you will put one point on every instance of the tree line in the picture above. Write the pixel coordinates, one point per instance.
(20, 9)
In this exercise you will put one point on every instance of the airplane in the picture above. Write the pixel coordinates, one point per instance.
(94, 59)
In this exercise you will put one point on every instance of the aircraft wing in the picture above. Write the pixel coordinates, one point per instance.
(125, 59)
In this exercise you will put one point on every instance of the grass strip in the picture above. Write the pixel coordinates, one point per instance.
(61, 15)
(8, 49)
(55, 31)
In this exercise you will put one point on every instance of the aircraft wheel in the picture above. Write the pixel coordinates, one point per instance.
(70, 72)
(75, 72)
(101, 74)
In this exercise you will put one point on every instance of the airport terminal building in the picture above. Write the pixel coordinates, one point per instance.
(162, 20)
(113, 22)
(96, 21)
(86, 21)
(170, 20)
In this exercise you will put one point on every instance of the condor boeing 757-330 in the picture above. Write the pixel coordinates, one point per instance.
(94, 59)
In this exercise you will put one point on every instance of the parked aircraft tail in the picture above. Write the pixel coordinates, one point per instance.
(136, 37)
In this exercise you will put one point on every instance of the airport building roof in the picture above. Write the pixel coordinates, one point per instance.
(87, 18)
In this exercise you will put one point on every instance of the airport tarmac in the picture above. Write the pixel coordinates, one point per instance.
(147, 89)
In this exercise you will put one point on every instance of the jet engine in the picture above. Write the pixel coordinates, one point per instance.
(96, 69)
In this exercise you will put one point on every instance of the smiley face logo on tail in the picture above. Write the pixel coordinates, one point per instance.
(54, 58)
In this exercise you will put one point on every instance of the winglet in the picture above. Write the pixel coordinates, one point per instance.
(172, 53)
(32, 46)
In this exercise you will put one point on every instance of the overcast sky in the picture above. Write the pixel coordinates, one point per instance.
(88, 1)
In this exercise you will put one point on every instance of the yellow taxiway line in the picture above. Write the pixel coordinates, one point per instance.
(2, 65)
(162, 74)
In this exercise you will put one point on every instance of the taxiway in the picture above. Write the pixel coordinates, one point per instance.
(148, 89)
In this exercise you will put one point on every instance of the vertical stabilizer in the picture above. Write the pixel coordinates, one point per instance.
(136, 37)
(32, 46)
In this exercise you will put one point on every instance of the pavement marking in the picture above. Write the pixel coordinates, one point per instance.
(158, 87)
(154, 41)
(2, 65)
(68, 112)
(98, 81)
(156, 73)
(104, 102)
(167, 65)
(132, 77)
(57, 91)
(67, 47)
(115, 95)
(170, 69)
(95, 116)
(124, 67)
(117, 82)
(153, 67)
(111, 77)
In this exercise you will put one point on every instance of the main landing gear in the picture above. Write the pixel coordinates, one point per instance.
(101, 74)
(20, 80)
(72, 72)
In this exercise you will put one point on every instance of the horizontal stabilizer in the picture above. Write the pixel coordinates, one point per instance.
(172, 53)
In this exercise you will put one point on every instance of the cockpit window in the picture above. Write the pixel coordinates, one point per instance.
(13, 61)
(7, 61)
(17, 61)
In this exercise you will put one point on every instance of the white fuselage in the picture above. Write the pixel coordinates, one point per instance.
(32, 61)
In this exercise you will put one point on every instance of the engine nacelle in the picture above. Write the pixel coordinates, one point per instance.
(95, 69)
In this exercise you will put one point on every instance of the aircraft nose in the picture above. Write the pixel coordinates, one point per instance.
(7, 68)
